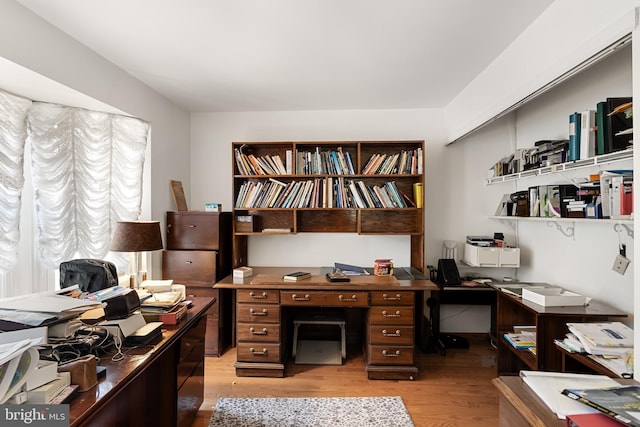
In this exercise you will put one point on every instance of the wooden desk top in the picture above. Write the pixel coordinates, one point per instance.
(120, 373)
(527, 403)
(271, 277)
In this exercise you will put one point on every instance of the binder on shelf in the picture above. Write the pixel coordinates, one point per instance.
(587, 134)
(602, 132)
(574, 136)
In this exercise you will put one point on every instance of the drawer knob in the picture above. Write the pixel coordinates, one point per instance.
(295, 297)
(258, 353)
(264, 312)
(188, 262)
(387, 354)
(386, 297)
(353, 298)
(254, 332)
(192, 226)
(386, 333)
(261, 296)
(385, 313)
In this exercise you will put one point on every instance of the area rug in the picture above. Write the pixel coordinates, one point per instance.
(311, 411)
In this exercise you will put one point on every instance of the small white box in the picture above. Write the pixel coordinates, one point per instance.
(241, 272)
(553, 297)
(481, 256)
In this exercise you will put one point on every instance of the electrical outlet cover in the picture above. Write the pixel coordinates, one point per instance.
(620, 264)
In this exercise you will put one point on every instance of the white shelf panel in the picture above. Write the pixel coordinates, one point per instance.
(616, 156)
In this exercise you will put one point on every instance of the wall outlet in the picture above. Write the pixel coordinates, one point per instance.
(620, 264)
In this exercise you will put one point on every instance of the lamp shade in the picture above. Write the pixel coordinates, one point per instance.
(136, 236)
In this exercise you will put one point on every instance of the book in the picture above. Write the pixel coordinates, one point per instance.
(621, 403)
(523, 340)
(591, 420)
(171, 317)
(45, 393)
(603, 334)
(296, 276)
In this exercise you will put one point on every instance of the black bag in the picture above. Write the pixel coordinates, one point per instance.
(89, 274)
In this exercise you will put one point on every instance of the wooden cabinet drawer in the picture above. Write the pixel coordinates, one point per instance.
(258, 352)
(319, 299)
(389, 315)
(260, 332)
(260, 313)
(189, 267)
(396, 335)
(193, 230)
(258, 296)
(392, 298)
(386, 355)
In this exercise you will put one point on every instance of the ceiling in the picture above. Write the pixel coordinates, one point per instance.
(284, 55)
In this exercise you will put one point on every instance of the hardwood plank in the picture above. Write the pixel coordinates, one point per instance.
(451, 390)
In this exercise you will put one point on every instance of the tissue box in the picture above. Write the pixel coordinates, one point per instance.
(550, 297)
(241, 272)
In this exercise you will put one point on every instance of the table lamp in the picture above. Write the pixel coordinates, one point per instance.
(136, 237)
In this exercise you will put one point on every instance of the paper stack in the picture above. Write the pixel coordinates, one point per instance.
(608, 343)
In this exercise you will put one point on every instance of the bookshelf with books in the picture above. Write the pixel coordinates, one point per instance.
(550, 323)
(363, 187)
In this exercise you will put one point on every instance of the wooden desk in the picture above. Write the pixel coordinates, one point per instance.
(392, 308)
(550, 323)
(158, 385)
(521, 406)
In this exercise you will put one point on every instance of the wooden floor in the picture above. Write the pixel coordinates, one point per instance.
(451, 390)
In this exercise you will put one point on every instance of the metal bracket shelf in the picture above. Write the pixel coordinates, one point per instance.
(566, 226)
(616, 156)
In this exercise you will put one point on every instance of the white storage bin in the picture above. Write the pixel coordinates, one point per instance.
(481, 256)
(509, 257)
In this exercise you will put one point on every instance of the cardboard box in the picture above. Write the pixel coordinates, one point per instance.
(241, 272)
(244, 224)
(553, 297)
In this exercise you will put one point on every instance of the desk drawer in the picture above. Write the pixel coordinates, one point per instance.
(260, 313)
(385, 355)
(328, 299)
(261, 332)
(389, 315)
(392, 298)
(258, 352)
(261, 296)
(396, 335)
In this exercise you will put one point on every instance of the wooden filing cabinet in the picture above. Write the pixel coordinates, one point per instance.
(198, 255)
(391, 335)
(259, 329)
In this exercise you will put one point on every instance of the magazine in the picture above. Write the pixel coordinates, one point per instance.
(620, 403)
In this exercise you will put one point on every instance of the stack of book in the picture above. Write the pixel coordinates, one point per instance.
(608, 343)
(166, 306)
(523, 338)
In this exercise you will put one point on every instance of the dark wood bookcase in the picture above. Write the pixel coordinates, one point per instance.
(550, 323)
(347, 217)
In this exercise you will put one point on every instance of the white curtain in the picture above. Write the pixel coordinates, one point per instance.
(13, 111)
(87, 174)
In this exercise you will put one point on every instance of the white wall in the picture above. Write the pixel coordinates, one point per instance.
(211, 173)
(30, 42)
(582, 263)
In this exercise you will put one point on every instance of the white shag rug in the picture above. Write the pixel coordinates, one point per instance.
(311, 411)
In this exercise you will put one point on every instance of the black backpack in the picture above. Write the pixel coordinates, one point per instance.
(89, 274)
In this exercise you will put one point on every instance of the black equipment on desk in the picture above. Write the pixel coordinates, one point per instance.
(89, 274)
(447, 274)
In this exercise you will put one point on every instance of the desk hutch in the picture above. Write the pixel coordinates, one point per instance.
(363, 187)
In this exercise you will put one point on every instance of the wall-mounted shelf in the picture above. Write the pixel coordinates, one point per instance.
(567, 225)
(616, 156)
